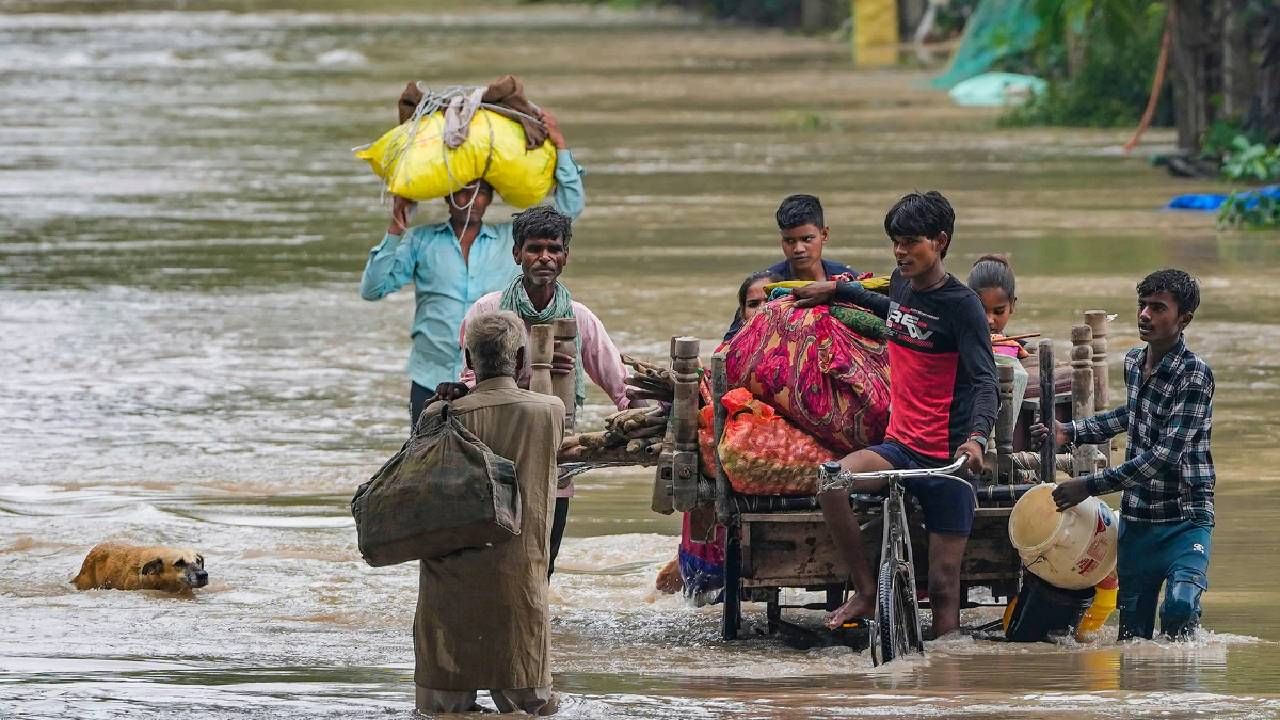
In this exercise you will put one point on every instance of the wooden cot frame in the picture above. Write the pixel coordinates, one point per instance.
(775, 543)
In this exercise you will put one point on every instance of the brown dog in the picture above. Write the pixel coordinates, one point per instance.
(115, 566)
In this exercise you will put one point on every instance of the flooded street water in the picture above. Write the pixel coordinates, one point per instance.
(186, 359)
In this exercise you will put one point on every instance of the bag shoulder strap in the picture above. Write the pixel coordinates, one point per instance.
(425, 419)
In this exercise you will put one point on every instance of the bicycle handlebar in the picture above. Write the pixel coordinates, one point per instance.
(830, 471)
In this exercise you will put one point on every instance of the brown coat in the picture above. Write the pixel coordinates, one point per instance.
(482, 619)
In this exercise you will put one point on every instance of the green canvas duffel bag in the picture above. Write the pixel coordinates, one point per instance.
(443, 492)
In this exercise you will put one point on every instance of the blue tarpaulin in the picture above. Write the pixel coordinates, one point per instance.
(1208, 202)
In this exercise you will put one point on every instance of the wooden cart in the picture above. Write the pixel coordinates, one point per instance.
(774, 543)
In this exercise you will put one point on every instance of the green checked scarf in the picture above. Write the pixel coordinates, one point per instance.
(516, 299)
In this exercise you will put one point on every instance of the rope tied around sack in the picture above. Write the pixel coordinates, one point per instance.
(412, 169)
(437, 101)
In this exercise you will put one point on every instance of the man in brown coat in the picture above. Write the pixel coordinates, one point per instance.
(482, 621)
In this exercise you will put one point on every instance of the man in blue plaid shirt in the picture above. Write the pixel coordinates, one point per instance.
(1167, 477)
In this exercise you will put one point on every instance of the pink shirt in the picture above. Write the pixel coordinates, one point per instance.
(600, 358)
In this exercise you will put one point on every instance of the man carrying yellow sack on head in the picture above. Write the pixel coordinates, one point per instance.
(452, 264)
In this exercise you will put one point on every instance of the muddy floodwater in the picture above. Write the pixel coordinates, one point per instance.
(184, 358)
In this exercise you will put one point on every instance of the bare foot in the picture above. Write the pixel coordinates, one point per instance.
(669, 580)
(953, 634)
(855, 607)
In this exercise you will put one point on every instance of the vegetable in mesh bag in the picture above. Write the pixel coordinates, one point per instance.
(707, 440)
(443, 492)
(763, 453)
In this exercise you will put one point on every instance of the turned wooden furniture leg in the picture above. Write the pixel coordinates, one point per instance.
(566, 336)
(541, 346)
(1082, 404)
(1100, 326)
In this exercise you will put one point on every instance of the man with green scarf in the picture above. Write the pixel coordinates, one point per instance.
(541, 248)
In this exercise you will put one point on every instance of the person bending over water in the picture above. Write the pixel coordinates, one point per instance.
(937, 329)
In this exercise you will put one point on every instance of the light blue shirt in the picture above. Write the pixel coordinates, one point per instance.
(445, 285)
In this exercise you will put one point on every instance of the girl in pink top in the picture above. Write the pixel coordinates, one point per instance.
(992, 279)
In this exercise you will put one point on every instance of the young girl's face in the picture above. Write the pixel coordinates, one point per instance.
(755, 299)
(999, 307)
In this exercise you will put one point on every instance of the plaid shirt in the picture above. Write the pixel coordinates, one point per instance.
(1167, 474)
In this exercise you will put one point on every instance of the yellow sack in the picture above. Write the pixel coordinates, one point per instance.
(494, 151)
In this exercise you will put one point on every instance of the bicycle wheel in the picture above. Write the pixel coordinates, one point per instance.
(897, 631)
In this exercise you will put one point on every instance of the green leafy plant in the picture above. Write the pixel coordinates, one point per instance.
(1118, 41)
(1221, 133)
(1251, 161)
(1117, 22)
(1249, 211)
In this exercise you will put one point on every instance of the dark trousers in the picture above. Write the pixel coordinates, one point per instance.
(1172, 554)
(557, 532)
(418, 397)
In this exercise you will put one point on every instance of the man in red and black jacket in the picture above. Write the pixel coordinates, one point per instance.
(943, 401)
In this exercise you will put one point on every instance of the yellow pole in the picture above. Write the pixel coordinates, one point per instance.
(875, 32)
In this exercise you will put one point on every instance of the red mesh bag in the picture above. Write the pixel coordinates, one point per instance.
(707, 439)
(763, 454)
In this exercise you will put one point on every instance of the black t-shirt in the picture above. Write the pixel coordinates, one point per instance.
(943, 386)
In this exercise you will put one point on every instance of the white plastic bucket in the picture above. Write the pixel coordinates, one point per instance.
(1074, 549)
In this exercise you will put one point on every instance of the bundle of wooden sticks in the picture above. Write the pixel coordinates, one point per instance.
(633, 436)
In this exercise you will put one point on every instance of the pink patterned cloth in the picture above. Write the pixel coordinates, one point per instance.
(822, 376)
